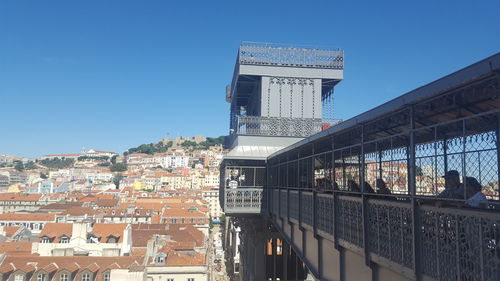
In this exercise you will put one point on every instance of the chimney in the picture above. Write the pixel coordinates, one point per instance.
(79, 233)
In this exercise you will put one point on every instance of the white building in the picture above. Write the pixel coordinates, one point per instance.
(69, 239)
(212, 197)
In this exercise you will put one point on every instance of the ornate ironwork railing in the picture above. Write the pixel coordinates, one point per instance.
(243, 200)
(451, 244)
(280, 126)
(286, 55)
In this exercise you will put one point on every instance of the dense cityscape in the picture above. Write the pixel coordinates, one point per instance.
(344, 141)
(153, 211)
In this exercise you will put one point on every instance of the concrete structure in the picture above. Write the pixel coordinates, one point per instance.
(357, 201)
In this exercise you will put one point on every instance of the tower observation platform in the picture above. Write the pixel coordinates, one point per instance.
(408, 190)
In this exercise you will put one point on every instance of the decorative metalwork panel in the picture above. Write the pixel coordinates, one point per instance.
(285, 55)
(390, 231)
(284, 203)
(294, 205)
(324, 213)
(350, 220)
(280, 126)
(306, 208)
(459, 245)
(243, 200)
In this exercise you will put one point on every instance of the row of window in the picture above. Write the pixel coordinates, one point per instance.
(62, 277)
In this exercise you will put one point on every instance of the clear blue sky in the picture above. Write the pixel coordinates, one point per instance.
(116, 74)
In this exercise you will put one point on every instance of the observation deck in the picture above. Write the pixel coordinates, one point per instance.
(363, 199)
(279, 95)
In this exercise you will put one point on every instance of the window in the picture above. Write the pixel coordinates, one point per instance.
(64, 239)
(45, 239)
(64, 277)
(19, 277)
(41, 277)
(86, 277)
(190, 279)
(106, 276)
(112, 239)
(160, 258)
(170, 279)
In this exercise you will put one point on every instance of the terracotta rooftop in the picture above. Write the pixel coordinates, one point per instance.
(107, 202)
(56, 230)
(97, 265)
(104, 230)
(16, 248)
(19, 197)
(79, 211)
(60, 206)
(27, 217)
(11, 230)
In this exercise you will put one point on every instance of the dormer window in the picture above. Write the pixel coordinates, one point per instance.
(160, 258)
(86, 277)
(106, 276)
(64, 277)
(19, 277)
(45, 239)
(64, 239)
(93, 239)
(41, 277)
(112, 239)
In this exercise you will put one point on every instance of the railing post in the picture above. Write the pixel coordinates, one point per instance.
(334, 200)
(363, 198)
(413, 189)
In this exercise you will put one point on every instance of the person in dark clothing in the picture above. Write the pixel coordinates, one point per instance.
(451, 185)
(367, 188)
(382, 187)
(353, 186)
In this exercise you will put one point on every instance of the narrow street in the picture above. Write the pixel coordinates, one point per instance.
(216, 259)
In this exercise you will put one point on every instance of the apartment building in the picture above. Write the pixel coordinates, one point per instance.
(69, 239)
(211, 195)
(15, 202)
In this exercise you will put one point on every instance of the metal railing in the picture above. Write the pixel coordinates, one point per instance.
(450, 244)
(242, 189)
(280, 126)
(243, 200)
(399, 187)
(288, 55)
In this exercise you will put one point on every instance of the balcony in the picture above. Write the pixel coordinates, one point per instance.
(243, 201)
(279, 126)
(270, 54)
(242, 189)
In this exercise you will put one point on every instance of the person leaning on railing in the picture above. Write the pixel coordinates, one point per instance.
(382, 187)
(470, 191)
(451, 184)
(474, 197)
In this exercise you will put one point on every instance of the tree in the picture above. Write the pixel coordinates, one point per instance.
(30, 165)
(118, 167)
(57, 163)
(117, 179)
(151, 148)
(113, 159)
(19, 166)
